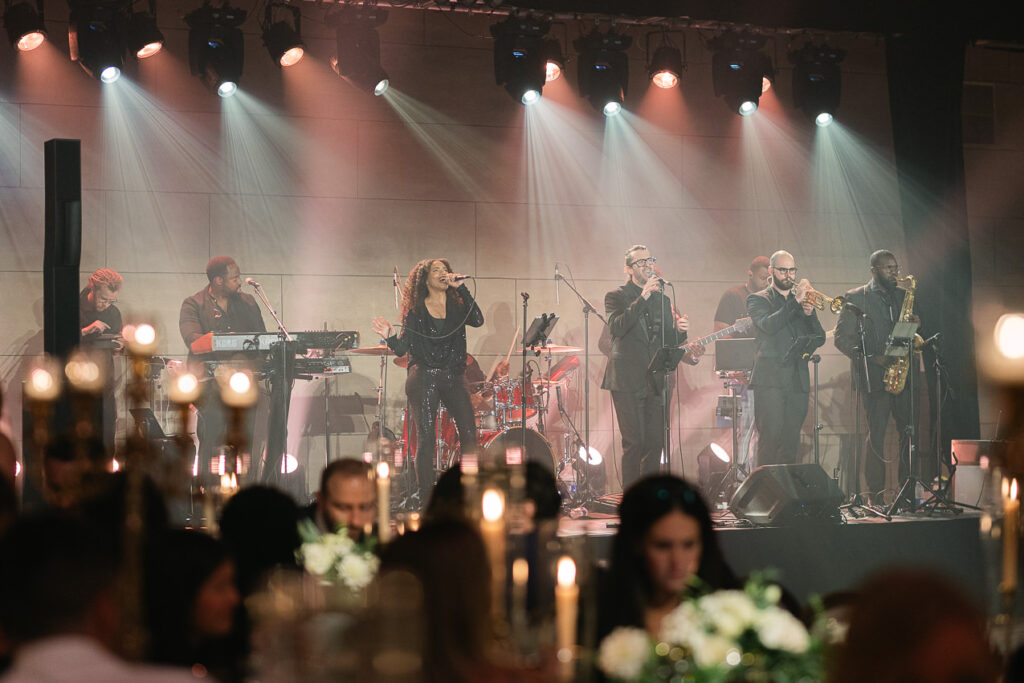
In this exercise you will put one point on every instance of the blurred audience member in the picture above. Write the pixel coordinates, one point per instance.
(347, 497)
(259, 526)
(191, 600)
(8, 455)
(914, 627)
(665, 540)
(458, 643)
(59, 606)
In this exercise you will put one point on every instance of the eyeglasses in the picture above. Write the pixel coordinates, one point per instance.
(889, 269)
(784, 271)
(649, 261)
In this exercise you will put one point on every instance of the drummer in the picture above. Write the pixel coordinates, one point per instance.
(435, 314)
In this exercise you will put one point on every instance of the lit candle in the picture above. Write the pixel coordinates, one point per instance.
(237, 387)
(85, 373)
(520, 577)
(184, 389)
(383, 502)
(1011, 524)
(140, 339)
(567, 595)
(43, 381)
(492, 528)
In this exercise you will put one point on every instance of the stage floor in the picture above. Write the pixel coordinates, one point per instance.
(823, 557)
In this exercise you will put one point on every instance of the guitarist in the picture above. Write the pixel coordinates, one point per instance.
(731, 307)
(636, 312)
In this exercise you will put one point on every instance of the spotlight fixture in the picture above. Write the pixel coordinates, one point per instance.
(817, 83)
(283, 40)
(554, 62)
(216, 51)
(712, 463)
(144, 38)
(24, 24)
(358, 58)
(739, 69)
(603, 74)
(520, 57)
(665, 65)
(94, 39)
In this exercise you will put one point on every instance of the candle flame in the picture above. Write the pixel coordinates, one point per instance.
(187, 383)
(145, 334)
(383, 470)
(240, 382)
(566, 571)
(1013, 490)
(520, 571)
(493, 505)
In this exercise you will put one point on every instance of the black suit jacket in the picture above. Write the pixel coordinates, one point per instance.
(634, 339)
(778, 322)
(881, 315)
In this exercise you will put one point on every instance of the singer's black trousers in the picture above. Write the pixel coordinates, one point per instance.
(427, 389)
(641, 419)
(779, 414)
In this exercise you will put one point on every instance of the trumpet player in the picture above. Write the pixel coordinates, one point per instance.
(877, 306)
(787, 330)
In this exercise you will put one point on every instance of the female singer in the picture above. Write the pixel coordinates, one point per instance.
(434, 317)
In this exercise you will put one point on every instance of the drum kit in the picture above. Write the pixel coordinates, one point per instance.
(498, 406)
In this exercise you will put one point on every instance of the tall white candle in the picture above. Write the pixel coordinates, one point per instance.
(383, 502)
(567, 595)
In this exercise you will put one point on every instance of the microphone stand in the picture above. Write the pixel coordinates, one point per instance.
(588, 308)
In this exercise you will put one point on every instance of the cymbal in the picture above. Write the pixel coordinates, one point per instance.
(552, 348)
(380, 350)
(403, 361)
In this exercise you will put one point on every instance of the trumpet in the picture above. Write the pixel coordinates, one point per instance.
(820, 301)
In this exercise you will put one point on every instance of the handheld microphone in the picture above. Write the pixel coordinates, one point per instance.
(557, 278)
(558, 396)
(251, 282)
(398, 287)
(459, 278)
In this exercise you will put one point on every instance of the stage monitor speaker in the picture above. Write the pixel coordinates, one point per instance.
(62, 252)
(783, 494)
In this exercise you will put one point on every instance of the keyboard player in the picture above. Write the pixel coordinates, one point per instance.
(218, 307)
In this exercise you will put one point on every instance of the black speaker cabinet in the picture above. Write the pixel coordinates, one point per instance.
(782, 494)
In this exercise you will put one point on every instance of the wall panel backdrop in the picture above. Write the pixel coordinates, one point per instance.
(319, 191)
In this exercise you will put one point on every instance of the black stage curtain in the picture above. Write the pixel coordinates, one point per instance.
(925, 73)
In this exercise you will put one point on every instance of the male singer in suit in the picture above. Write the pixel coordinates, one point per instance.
(787, 331)
(877, 304)
(635, 313)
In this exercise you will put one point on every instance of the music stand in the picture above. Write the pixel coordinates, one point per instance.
(901, 345)
(536, 335)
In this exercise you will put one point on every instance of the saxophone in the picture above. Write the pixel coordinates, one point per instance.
(895, 378)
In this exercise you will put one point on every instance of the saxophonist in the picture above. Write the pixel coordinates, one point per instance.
(878, 306)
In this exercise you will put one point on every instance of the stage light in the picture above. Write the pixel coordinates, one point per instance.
(283, 40)
(95, 42)
(144, 38)
(358, 46)
(216, 51)
(26, 29)
(520, 57)
(603, 74)
(665, 65)
(289, 464)
(712, 463)
(554, 62)
(817, 84)
(739, 70)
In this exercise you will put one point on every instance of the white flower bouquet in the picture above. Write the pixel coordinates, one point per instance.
(726, 636)
(336, 558)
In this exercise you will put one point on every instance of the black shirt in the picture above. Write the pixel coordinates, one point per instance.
(733, 305)
(87, 314)
(434, 343)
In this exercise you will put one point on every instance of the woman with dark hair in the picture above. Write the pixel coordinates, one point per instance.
(435, 314)
(665, 539)
(191, 603)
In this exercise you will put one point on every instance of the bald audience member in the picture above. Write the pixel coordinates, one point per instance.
(347, 497)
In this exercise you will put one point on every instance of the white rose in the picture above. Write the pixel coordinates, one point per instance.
(624, 652)
(357, 571)
(317, 558)
(773, 594)
(710, 650)
(340, 543)
(730, 613)
(681, 625)
(780, 630)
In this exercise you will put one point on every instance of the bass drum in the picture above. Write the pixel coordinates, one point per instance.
(538, 449)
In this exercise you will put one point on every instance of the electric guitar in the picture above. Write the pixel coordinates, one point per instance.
(741, 327)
